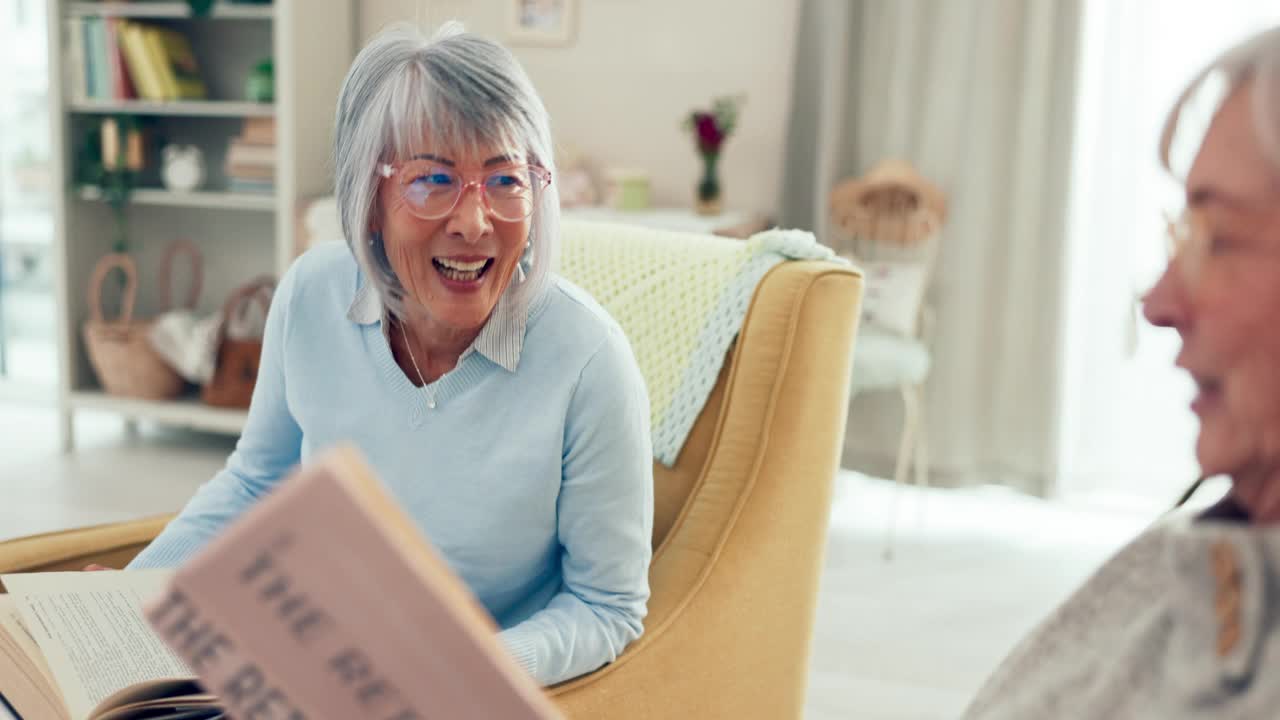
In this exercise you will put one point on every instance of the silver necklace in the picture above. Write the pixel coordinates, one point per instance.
(431, 401)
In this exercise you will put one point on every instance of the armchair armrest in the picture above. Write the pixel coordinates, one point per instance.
(734, 582)
(113, 545)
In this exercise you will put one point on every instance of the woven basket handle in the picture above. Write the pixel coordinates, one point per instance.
(259, 289)
(171, 253)
(108, 263)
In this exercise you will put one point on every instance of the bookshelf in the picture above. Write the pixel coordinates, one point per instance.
(186, 412)
(167, 10)
(175, 108)
(240, 234)
(194, 199)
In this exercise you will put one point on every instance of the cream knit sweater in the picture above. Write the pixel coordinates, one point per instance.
(1182, 623)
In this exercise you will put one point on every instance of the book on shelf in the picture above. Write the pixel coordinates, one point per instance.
(76, 646)
(96, 70)
(251, 187)
(258, 615)
(250, 163)
(110, 58)
(138, 61)
(251, 173)
(77, 79)
(85, 31)
(243, 154)
(121, 83)
(179, 72)
(259, 131)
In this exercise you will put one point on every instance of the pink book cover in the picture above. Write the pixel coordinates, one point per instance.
(325, 601)
(122, 84)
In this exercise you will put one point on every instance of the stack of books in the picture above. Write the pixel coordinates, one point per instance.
(115, 59)
(251, 157)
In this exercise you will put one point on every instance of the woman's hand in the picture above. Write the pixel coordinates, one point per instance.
(94, 567)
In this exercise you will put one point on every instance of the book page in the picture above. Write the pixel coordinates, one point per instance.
(170, 699)
(25, 681)
(91, 629)
(17, 632)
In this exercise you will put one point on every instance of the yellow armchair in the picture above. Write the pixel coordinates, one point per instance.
(739, 524)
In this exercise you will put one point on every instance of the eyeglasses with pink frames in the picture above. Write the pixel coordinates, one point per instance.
(432, 190)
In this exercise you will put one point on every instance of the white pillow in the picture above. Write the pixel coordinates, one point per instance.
(893, 292)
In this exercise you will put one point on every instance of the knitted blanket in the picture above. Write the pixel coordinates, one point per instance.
(681, 299)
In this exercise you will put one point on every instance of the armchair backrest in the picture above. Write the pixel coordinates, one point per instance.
(783, 300)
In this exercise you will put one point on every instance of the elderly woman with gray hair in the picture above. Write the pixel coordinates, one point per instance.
(502, 405)
(1185, 622)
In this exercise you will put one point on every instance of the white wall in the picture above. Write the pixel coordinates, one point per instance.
(620, 90)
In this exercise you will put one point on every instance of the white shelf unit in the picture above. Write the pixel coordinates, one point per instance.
(187, 108)
(240, 235)
(168, 10)
(195, 199)
(186, 412)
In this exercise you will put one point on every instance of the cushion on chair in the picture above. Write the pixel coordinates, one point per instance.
(883, 359)
(893, 295)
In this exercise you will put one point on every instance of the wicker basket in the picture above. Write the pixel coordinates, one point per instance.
(236, 371)
(120, 350)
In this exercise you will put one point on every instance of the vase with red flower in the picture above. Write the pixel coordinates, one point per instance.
(710, 129)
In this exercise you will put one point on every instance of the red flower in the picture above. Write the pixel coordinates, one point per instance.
(710, 128)
(709, 135)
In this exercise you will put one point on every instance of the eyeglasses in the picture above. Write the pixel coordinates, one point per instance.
(1187, 242)
(432, 191)
(1204, 241)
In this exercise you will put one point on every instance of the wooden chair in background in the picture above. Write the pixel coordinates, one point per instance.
(888, 222)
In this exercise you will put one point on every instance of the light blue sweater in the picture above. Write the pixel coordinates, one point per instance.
(534, 482)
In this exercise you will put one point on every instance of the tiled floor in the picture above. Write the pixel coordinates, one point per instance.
(908, 638)
(110, 477)
(972, 572)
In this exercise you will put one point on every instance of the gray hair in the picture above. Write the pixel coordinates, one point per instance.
(466, 92)
(1254, 61)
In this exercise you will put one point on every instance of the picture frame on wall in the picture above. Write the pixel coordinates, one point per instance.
(541, 22)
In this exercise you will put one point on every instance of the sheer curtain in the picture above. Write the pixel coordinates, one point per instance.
(1127, 433)
(978, 95)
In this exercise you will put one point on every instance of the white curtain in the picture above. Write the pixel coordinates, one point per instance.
(1128, 434)
(978, 94)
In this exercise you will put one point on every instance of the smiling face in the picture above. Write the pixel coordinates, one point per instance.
(453, 268)
(1221, 292)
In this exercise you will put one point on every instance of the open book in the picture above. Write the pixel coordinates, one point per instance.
(325, 600)
(76, 646)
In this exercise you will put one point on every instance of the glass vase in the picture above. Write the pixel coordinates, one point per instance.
(708, 196)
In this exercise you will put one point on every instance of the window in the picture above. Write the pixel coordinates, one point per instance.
(28, 354)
